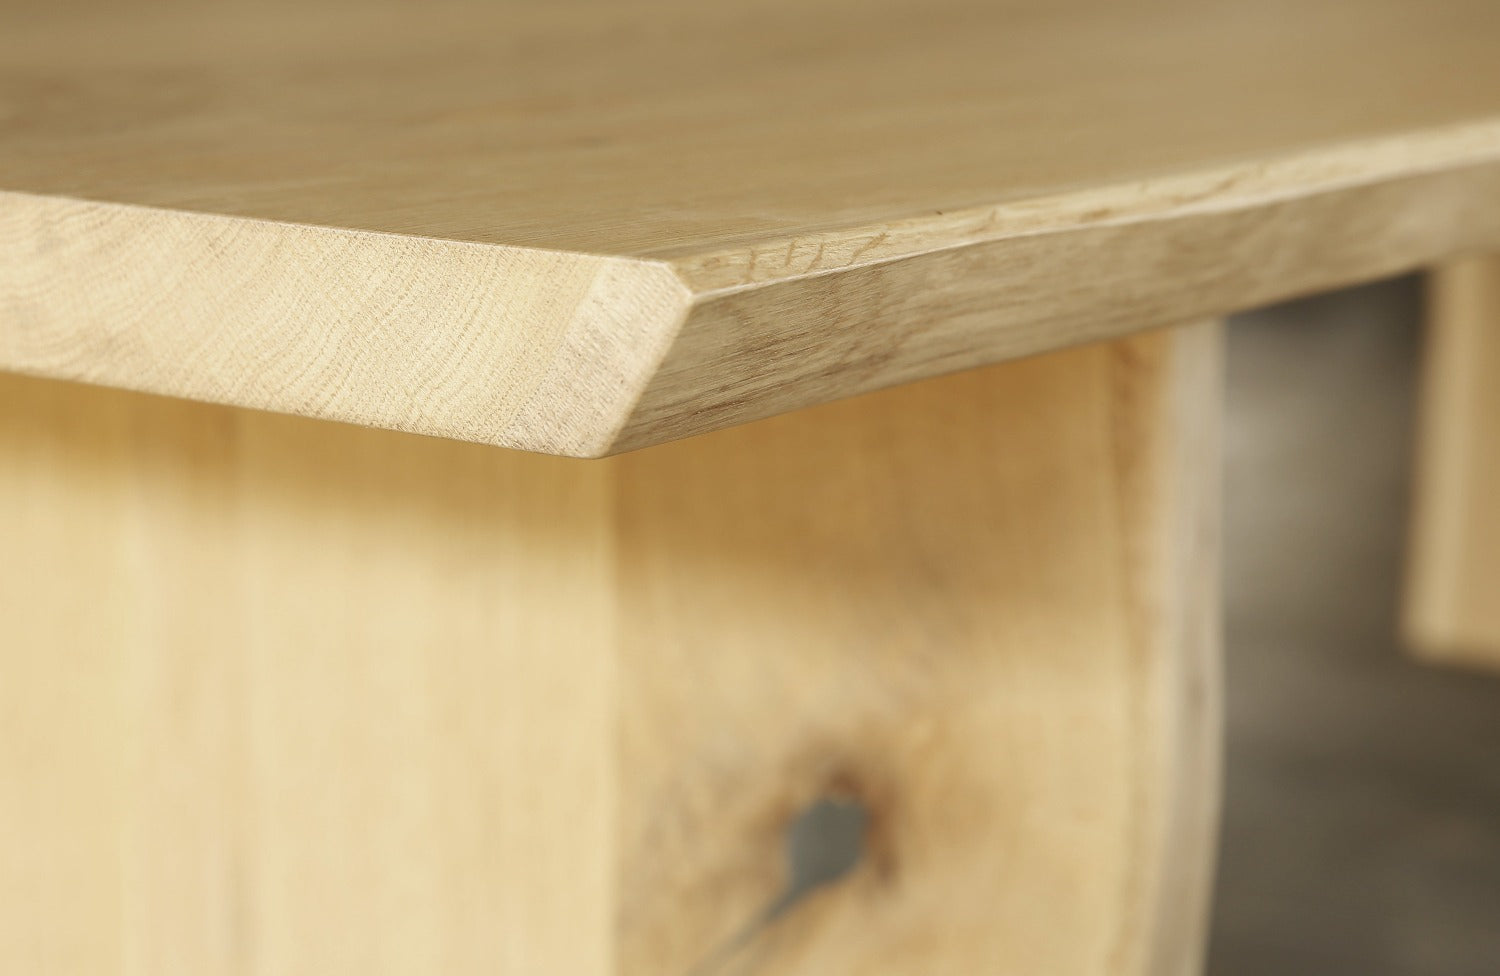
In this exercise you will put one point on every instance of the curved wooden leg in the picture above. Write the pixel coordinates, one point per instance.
(984, 608)
(289, 697)
(1453, 589)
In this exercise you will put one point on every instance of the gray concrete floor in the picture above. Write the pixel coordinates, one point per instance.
(1362, 819)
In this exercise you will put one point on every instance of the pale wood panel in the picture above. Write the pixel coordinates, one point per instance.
(285, 697)
(579, 228)
(1453, 588)
(64, 780)
(986, 607)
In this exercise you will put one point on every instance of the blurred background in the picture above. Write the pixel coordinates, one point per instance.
(1361, 829)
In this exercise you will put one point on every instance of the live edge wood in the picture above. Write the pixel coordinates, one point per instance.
(288, 698)
(589, 227)
(1453, 588)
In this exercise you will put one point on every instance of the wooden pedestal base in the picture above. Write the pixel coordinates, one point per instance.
(288, 697)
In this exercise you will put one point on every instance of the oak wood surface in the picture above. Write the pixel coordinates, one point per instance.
(287, 698)
(582, 228)
(985, 606)
(275, 699)
(1452, 610)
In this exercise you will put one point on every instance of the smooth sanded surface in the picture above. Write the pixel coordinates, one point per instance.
(741, 209)
(669, 129)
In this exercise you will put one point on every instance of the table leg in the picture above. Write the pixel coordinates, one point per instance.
(1453, 591)
(982, 607)
(291, 697)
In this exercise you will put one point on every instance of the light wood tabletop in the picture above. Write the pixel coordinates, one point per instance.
(589, 227)
(281, 696)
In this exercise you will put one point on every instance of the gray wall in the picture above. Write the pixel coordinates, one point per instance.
(1362, 821)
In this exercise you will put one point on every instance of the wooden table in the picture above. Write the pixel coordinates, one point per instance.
(285, 696)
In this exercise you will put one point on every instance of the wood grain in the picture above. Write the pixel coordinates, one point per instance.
(985, 606)
(583, 228)
(285, 697)
(1452, 610)
(276, 699)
